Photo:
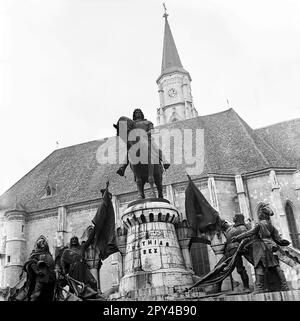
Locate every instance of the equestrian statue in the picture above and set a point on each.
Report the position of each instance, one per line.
(145, 158)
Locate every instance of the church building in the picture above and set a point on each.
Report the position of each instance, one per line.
(243, 168)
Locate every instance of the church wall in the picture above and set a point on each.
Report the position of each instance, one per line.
(227, 199)
(259, 190)
(43, 226)
(288, 193)
(2, 249)
(79, 220)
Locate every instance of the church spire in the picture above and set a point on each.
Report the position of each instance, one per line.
(170, 54)
(170, 60)
(174, 83)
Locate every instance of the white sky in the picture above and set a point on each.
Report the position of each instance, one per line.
(70, 68)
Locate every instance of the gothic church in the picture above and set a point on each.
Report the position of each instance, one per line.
(243, 168)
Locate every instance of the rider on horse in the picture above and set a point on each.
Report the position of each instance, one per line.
(144, 124)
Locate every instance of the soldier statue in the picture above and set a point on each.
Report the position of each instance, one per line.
(74, 265)
(40, 266)
(238, 228)
(266, 239)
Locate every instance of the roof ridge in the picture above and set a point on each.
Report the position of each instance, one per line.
(281, 122)
(88, 142)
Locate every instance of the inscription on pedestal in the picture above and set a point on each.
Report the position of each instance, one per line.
(153, 255)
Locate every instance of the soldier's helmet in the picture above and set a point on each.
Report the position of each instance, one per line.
(74, 240)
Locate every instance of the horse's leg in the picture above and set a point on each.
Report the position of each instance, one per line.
(158, 183)
(151, 178)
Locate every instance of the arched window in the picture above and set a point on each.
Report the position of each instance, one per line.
(48, 191)
(199, 257)
(292, 225)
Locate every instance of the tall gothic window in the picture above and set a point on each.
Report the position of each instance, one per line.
(200, 261)
(292, 225)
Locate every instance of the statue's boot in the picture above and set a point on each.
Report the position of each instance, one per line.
(163, 160)
(259, 282)
(245, 279)
(283, 284)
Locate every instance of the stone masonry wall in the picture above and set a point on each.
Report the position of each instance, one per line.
(35, 228)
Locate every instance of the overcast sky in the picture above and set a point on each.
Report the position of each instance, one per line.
(70, 68)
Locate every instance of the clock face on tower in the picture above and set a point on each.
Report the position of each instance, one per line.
(172, 92)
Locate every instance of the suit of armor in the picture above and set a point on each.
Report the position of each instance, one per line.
(73, 263)
(41, 275)
(231, 246)
(265, 242)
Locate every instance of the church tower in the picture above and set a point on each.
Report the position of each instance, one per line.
(174, 84)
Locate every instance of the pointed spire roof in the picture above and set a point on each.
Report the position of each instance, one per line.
(170, 60)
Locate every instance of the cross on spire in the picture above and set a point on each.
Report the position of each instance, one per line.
(165, 14)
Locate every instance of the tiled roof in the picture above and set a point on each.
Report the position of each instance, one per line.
(230, 147)
(284, 137)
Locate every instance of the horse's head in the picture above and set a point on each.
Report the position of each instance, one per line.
(123, 126)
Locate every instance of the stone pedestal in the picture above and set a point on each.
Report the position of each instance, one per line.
(153, 256)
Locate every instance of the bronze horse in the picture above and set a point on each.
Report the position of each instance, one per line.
(149, 171)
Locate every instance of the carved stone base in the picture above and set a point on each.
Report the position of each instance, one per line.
(153, 256)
